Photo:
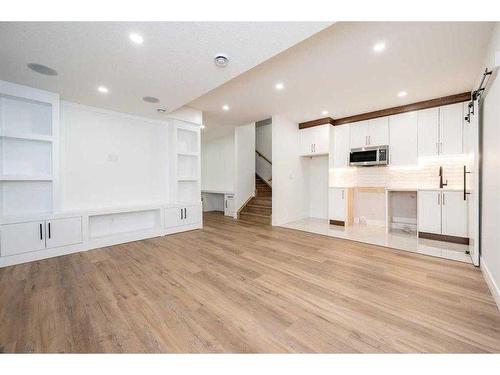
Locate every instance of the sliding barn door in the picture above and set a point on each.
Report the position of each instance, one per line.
(471, 178)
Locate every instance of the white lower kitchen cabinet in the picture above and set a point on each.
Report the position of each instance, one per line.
(229, 205)
(454, 214)
(443, 212)
(337, 205)
(429, 211)
(22, 237)
(38, 235)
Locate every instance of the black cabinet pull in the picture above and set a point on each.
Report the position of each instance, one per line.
(41, 233)
(182, 214)
(185, 213)
(49, 230)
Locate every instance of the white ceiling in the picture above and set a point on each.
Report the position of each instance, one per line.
(337, 70)
(175, 62)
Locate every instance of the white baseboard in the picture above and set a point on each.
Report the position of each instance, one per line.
(494, 289)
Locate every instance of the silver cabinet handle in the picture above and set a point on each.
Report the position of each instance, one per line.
(369, 139)
(439, 199)
(443, 198)
(342, 194)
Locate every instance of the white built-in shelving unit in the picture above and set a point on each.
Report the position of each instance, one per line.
(28, 150)
(186, 160)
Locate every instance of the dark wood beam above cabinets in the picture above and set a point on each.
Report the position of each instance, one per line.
(318, 122)
(445, 100)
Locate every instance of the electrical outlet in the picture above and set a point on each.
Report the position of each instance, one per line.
(112, 158)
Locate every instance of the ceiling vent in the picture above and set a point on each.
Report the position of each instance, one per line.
(221, 60)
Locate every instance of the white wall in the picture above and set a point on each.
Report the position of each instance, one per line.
(264, 140)
(113, 159)
(318, 186)
(244, 145)
(290, 180)
(490, 216)
(218, 164)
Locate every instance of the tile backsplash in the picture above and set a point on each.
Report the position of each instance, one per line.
(424, 175)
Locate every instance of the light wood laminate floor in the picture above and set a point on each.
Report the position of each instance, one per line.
(241, 287)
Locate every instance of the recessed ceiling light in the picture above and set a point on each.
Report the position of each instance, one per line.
(151, 99)
(136, 38)
(279, 86)
(203, 126)
(225, 107)
(402, 94)
(42, 69)
(221, 60)
(103, 89)
(324, 113)
(379, 47)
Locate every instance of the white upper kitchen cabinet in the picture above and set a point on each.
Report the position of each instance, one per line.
(359, 134)
(373, 132)
(403, 139)
(341, 146)
(429, 211)
(454, 214)
(451, 129)
(306, 141)
(378, 131)
(428, 132)
(315, 140)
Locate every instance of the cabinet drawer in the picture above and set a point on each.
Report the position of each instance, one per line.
(22, 238)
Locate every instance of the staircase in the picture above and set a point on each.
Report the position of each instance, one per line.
(259, 208)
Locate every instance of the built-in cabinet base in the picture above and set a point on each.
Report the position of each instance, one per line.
(444, 238)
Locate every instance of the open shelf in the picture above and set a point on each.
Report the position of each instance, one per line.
(26, 136)
(13, 177)
(26, 156)
(188, 154)
(106, 225)
(24, 116)
(26, 197)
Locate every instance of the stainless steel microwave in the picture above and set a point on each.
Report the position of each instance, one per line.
(369, 156)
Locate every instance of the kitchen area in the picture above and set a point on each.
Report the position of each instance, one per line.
(404, 178)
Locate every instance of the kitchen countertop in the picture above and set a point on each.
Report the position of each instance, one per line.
(393, 188)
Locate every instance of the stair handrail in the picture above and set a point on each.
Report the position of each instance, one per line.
(263, 157)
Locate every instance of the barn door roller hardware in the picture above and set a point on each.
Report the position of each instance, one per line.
(476, 94)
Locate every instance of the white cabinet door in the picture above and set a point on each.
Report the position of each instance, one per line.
(428, 132)
(174, 217)
(337, 204)
(341, 146)
(403, 139)
(63, 232)
(359, 134)
(454, 214)
(306, 141)
(429, 211)
(378, 131)
(451, 129)
(192, 215)
(22, 238)
(229, 205)
(321, 139)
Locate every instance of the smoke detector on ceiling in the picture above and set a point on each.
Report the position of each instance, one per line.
(221, 60)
